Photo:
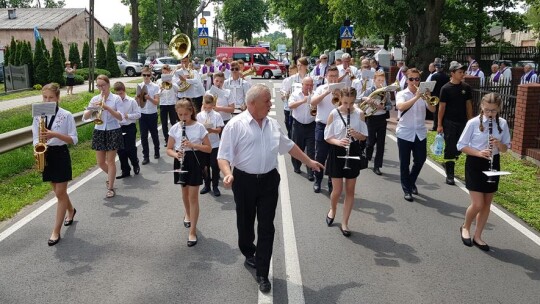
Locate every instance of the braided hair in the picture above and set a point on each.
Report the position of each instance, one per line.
(491, 98)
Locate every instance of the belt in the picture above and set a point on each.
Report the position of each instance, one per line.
(257, 176)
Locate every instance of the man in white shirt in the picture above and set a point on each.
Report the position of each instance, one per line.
(411, 132)
(528, 76)
(432, 70)
(363, 82)
(167, 101)
(189, 83)
(347, 72)
(474, 70)
(250, 143)
(238, 87)
(149, 116)
(506, 70)
(287, 63)
(319, 72)
(130, 113)
(471, 60)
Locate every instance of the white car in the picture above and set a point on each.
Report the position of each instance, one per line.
(159, 62)
(129, 68)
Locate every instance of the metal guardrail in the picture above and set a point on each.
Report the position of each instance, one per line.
(17, 138)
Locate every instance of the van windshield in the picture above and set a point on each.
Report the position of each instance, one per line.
(269, 57)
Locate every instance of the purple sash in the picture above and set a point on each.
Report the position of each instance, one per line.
(400, 75)
(497, 76)
(528, 78)
(205, 69)
(227, 66)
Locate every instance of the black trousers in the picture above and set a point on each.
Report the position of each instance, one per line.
(288, 122)
(376, 135)
(321, 149)
(435, 118)
(452, 132)
(148, 123)
(129, 152)
(256, 196)
(167, 113)
(408, 175)
(303, 136)
(212, 173)
(197, 101)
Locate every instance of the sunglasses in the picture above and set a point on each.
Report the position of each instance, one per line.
(414, 79)
(146, 75)
(235, 69)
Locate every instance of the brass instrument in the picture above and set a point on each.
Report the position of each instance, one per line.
(351, 76)
(312, 107)
(379, 95)
(431, 100)
(166, 85)
(97, 114)
(249, 72)
(364, 85)
(180, 47)
(41, 147)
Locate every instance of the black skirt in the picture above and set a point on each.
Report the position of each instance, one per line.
(334, 165)
(107, 140)
(57, 165)
(193, 164)
(475, 180)
(70, 81)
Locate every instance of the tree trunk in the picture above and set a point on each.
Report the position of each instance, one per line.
(134, 43)
(424, 31)
(294, 42)
(301, 42)
(386, 42)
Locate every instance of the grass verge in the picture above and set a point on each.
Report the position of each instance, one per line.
(518, 193)
(15, 95)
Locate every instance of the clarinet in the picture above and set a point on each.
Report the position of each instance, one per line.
(183, 151)
(490, 147)
(348, 136)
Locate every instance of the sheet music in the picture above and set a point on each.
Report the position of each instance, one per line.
(368, 74)
(391, 88)
(430, 85)
(215, 91)
(336, 86)
(166, 77)
(43, 108)
(496, 173)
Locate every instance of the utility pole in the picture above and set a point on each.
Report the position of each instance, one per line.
(91, 49)
(160, 28)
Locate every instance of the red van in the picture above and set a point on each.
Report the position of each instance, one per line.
(264, 62)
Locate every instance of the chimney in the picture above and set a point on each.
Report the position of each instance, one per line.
(12, 13)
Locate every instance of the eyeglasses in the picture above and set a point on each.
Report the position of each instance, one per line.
(414, 78)
(235, 69)
(146, 75)
(101, 85)
(490, 110)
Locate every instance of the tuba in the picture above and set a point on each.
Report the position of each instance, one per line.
(369, 108)
(41, 147)
(180, 47)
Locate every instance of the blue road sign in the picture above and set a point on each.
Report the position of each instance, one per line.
(346, 32)
(203, 32)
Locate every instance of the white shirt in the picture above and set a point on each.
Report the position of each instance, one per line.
(478, 73)
(250, 148)
(412, 123)
(129, 105)
(347, 79)
(318, 79)
(63, 123)
(238, 90)
(325, 106)
(302, 112)
(337, 128)
(507, 73)
(287, 82)
(224, 101)
(167, 97)
(195, 134)
(195, 90)
(217, 63)
(472, 137)
(532, 80)
(150, 107)
(109, 122)
(429, 77)
(358, 84)
(212, 120)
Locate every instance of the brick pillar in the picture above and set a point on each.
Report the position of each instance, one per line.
(393, 74)
(474, 82)
(526, 123)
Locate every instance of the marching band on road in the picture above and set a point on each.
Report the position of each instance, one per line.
(335, 119)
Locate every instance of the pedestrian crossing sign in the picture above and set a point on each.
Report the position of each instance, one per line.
(345, 43)
(203, 41)
(346, 32)
(203, 32)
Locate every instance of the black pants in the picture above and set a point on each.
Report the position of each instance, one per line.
(212, 173)
(148, 123)
(129, 152)
(419, 152)
(288, 122)
(303, 136)
(197, 101)
(321, 149)
(452, 132)
(435, 118)
(256, 196)
(167, 113)
(376, 135)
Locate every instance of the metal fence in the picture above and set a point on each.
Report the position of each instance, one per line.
(508, 94)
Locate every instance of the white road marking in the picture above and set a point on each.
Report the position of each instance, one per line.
(512, 222)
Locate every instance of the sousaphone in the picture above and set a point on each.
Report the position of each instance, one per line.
(180, 47)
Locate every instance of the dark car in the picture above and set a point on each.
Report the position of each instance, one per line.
(2, 72)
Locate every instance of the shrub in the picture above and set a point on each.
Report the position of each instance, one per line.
(85, 55)
(56, 66)
(84, 73)
(37, 87)
(101, 55)
(112, 61)
(79, 79)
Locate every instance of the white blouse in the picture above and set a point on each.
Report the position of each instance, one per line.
(472, 137)
(337, 128)
(109, 122)
(195, 134)
(63, 123)
(238, 90)
(214, 120)
(223, 101)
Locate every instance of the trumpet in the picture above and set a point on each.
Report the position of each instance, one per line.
(97, 114)
(431, 100)
(41, 147)
(165, 85)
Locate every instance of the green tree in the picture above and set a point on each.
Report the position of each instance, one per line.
(62, 53)
(74, 56)
(532, 18)
(112, 61)
(18, 50)
(51, 3)
(41, 64)
(135, 33)
(16, 3)
(117, 32)
(101, 55)
(245, 17)
(27, 58)
(13, 51)
(6, 56)
(85, 55)
(56, 65)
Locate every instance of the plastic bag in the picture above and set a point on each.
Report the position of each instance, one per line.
(437, 147)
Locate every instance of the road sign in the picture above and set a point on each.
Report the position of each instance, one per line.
(206, 13)
(345, 43)
(203, 32)
(203, 41)
(346, 32)
(203, 21)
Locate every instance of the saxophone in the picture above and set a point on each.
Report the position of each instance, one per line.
(41, 147)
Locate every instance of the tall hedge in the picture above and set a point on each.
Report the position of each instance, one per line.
(26, 58)
(74, 56)
(62, 53)
(13, 51)
(56, 66)
(45, 51)
(101, 55)
(85, 55)
(17, 59)
(6, 56)
(112, 61)
(41, 64)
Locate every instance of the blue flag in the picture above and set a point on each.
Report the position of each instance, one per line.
(37, 36)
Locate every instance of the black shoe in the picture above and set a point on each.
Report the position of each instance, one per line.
(137, 169)
(165, 145)
(414, 190)
(466, 242)
(311, 178)
(52, 242)
(216, 191)
(156, 156)
(346, 233)
(145, 161)
(123, 175)
(317, 187)
(69, 222)
(484, 247)
(191, 243)
(251, 262)
(329, 220)
(205, 190)
(297, 171)
(450, 181)
(377, 171)
(187, 224)
(264, 284)
(408, 197)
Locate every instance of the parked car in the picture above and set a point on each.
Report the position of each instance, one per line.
(160, 62)
(129, 68)
(2, 72)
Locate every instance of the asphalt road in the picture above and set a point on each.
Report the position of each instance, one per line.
(132, 248)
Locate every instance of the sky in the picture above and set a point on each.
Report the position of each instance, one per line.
(109, 12)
